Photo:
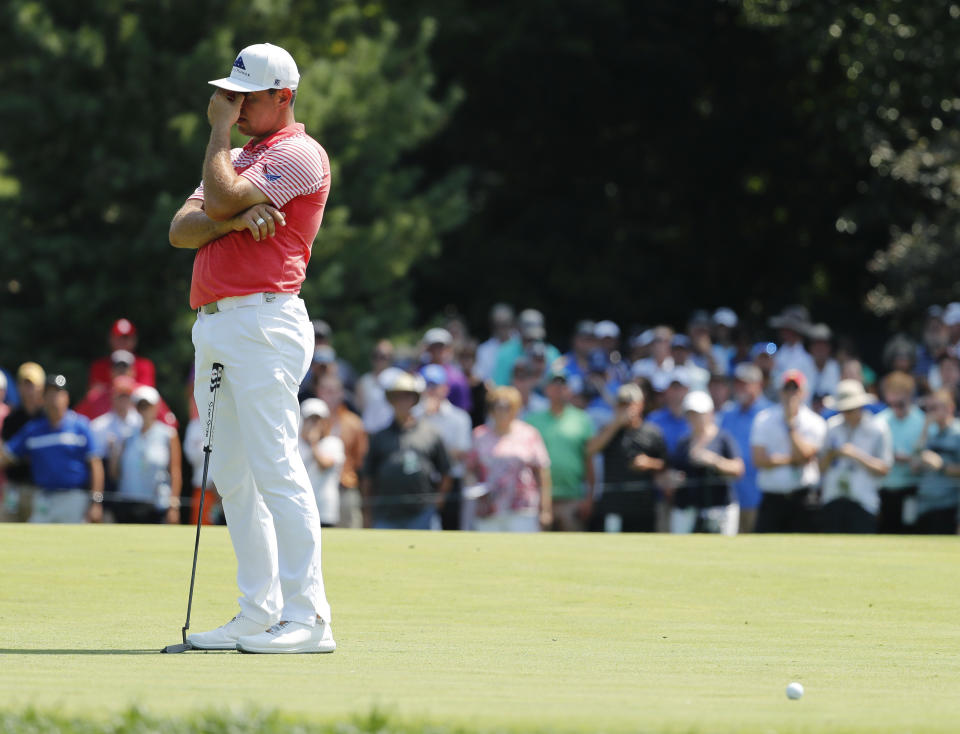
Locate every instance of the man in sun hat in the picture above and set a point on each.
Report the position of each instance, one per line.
(406, 473)
(857, 455)
(252, 223)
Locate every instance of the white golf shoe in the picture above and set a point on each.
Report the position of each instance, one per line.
(290, 637)
(225, 637)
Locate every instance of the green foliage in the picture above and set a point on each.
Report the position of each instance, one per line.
(895, 104)
(104, 125)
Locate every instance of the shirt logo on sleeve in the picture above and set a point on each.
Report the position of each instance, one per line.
(271, 177)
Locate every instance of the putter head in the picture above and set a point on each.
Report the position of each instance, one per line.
(182, 647)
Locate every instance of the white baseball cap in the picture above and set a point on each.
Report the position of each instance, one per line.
(314, 407)
(146, 394)
(261, 66)
(697, 401)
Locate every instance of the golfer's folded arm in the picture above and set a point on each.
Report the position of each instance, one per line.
(191, 228)
(225, 193)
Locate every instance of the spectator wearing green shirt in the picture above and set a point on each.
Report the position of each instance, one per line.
(938, 495)
(899, 488)
(566, 430)
(532, 330)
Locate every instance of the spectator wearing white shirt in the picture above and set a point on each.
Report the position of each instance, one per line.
(324, 456)
(826, 374)
(371, 399)
(793, 324)
(785, 440)
(455, 428)
(658, 366)
(501, 331)
(857, 454)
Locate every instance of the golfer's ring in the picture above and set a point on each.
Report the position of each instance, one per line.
(261, 220)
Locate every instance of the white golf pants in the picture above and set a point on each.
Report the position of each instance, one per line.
(265, 343)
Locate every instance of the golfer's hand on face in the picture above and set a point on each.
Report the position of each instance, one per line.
(224, 108)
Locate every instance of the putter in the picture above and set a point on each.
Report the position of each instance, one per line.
(216, 375)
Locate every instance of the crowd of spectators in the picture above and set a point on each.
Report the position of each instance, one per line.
(710, 427)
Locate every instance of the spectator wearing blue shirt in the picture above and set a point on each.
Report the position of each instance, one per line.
(737, 420)
(64, 460)
(670, 419)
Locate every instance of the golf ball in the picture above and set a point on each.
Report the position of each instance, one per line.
(794, 691)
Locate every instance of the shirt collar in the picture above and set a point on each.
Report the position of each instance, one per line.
(281, 134)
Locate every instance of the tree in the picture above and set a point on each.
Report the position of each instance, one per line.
(104, 125)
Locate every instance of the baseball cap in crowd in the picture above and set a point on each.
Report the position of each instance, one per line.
(643, 339)
(321, 329)
(629, 393)
(660, 381)
(794, 318)
(584, 328)
(437, 336)
(122, 358)
(434, 374)
(725, 317)
(324, 354)
(123, 385)
(401, 381)
(531, 324)
(314, 407)
(746, 372)
(606, 330)
(501, 313)
(261, 66)
(700, 318)
(557, 375)
(793, 376)
(537, 350)
(819, 333)
(768, 348)
(146, 394)
(951, 314)
(935, 312)
(57, 382)
(680, 341)
(697, 401)
(123, 327)
(33, 373)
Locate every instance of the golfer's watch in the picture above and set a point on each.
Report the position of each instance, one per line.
(97, 498)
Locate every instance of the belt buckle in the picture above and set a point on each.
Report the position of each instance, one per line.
(210, 308)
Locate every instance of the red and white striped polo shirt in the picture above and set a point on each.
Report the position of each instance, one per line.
(293, 171)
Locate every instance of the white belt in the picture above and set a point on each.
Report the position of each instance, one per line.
(232, 302)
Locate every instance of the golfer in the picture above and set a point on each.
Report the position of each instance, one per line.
(252, 222)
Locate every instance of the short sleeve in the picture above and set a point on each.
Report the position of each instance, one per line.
(291, 168)
(16, 446)
(758, 431)
(541, 457)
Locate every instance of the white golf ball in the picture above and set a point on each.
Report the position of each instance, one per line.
(794, 691)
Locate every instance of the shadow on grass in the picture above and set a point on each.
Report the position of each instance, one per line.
(85, 651)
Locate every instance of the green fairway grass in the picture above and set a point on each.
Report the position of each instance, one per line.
(567, 632)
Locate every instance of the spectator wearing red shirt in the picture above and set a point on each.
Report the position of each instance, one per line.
(123, 335)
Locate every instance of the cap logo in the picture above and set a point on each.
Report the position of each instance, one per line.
(239, 63)
(276, 82)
